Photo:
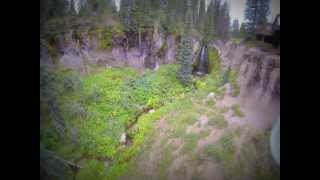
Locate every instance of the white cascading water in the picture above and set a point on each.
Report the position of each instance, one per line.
(275, 142)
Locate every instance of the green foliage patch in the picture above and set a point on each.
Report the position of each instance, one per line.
(101, 106)
(106, 34)
(237, 110)
(218, 121)
(190, 142)
(224, 151)
(93, 169)
(233, 76)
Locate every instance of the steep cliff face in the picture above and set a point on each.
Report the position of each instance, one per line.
(259, 71)
(75, 53)
(259, 80)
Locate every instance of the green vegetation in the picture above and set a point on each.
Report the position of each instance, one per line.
(218, 121)
(224, 151)
(190, 142)
(179, 131)
(214, 61)
(105, 35)
(212, 81)
(162, 50)
(232, 78)
(237, 40)
(97, 109)
(184, 73)
(237, 111)
(205, 133)
(82, 117)
(93, 169)
(253, 159)
(166, 159)
(185, 59)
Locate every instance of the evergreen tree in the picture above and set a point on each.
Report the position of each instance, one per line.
(251, 14)
(224, 21)
(235, 28)
(242, 32)
(216, 16)
(209, 27)
(83, 8)
(175, 16)
(202, 13)
(137, 23)
(256, 12)
(163, 13)
(263, 11)
(195, 8)
(125, 12)
(53, 8)
(72, 8)
(184, 74)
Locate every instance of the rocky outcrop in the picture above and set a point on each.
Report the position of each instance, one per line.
(259, 81)
(170, 53)
(74, 52)
(259, 71)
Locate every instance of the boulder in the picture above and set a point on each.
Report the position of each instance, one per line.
(210, 97)
(123, 138)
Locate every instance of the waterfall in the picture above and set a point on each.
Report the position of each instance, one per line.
(202, 62)
(275, 142)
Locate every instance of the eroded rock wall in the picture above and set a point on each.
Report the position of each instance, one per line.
(259, 71)
(76, 53)
(259, 81)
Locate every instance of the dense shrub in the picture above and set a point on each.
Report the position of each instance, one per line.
(106, 35)
(154, 87)
(93, 169)
(114, 99)
(237, 111)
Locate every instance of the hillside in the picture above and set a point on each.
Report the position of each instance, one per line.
(151, 91)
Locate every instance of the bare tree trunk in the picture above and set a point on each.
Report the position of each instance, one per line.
(139, 33)
(127, 44)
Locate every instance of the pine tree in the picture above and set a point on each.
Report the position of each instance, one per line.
(224, 21)
(202, 13)
(125, 12)
(216, 16)
(250, 14)
(209, 27)
(263, 11)
(53, 8)
(195, 8)
(184, 74)
(83, 8)
(256, 12)
(72, 10)
(163, 15)
(235, 28)
(242, 32)
(138, 20)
